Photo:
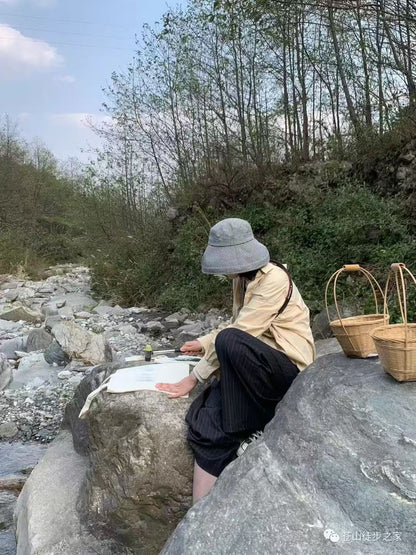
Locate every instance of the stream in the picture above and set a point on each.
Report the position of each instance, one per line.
(16, 462)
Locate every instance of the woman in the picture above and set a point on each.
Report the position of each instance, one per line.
(259, 354)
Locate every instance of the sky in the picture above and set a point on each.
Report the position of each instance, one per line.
(56, 56)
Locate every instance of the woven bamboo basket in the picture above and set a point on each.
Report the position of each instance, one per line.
(396, 343)
(354, 333)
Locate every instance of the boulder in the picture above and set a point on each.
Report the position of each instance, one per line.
(81, 344)
(154, 327)
(117, 310)
(175, 320)
(49, 310)
(320, 324)
(13, 284)
(140, 479)
(143, 435)
(38, 340)
(51, 321)
(5, 372)
(11, 295)
(33, 371)
(54, 354)
(189, 332)
(20, 312)
(102, 308)
(10, 346)
(335, 472)
(8, 430)
(46, 516)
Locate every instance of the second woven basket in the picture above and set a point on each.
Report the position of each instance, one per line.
(354, 333)
(396, 343)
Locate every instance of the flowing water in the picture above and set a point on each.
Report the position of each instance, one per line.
(16, 461)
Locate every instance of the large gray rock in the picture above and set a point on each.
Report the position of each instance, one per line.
(102, 308)
(38, 340)
(334, 473)
(20, 312)
(320, 323)
(174, 320)
(8, 430)
(10, 346)
(189, 332)
(82, 344)
(33, 371)
(94, 379)
(5, 372)
(140, 481)
(153, 327)
(47, 521)
(54, 354)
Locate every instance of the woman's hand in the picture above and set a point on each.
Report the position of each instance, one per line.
(192, 348)
(180, 388)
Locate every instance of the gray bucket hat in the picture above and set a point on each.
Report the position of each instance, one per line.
(232, 249)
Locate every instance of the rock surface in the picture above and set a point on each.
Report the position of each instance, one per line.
(140, 481)
(81, 344)
(20, 312)
(335, 472)
(38, 340)
(321, 328)
(10, 346)
(54, 354)
(47, 521)
(33, 371)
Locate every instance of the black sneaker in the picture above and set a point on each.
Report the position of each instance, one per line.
(243, 446)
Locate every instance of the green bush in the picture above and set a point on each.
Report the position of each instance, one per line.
(344, 224)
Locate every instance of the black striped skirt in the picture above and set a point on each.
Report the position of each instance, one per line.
(254, 378)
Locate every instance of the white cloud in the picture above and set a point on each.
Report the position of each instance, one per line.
(66, 79)
(20, 55)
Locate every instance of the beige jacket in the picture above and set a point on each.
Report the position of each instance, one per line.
(255, 308)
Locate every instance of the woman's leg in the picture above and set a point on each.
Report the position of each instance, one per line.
(203, 482)
(254, 378)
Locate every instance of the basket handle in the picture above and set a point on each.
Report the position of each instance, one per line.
(397, 269)
(350, 268)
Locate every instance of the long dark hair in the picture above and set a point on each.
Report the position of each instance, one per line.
(250, 275)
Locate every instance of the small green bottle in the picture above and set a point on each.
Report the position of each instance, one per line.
(148, 351)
